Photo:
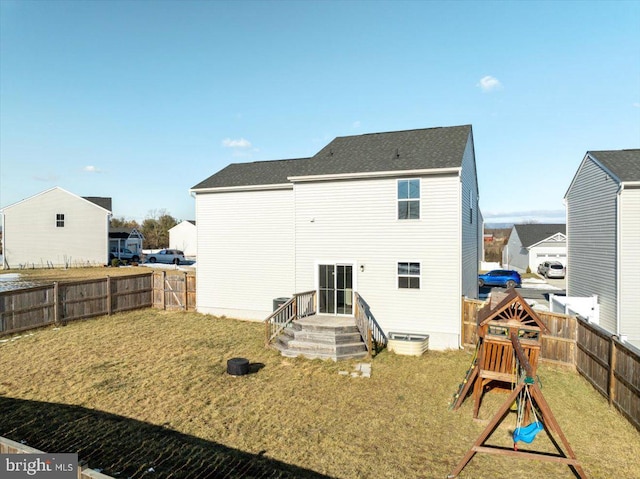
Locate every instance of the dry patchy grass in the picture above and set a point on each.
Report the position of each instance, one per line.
(158, 381)
(48, 275)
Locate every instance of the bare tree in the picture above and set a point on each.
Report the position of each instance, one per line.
(122, 222)
(155, 229)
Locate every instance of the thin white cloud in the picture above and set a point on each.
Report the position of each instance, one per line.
(636, 105)
(489, 83)
(91, 169)
(539, 216)
(356, 124)
(240, 143)
(49, 177)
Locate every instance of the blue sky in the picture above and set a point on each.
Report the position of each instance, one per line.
(141, 100)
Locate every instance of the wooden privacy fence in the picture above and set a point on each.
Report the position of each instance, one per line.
(58, 303)
(612, 367)
(174, 291)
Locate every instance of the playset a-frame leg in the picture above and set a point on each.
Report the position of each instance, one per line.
(462, 393)
(548, 420)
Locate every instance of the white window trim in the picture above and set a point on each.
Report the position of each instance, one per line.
(398, 275)
(418, 199)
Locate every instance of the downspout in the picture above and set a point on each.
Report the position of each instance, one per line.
(566, 222)
(460, 273)
(193, 195)
(4, 245)
(618, 194)
(109, 215)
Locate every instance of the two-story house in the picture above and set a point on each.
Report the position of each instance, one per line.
(603, 238)
(393, 216)
(56, 228)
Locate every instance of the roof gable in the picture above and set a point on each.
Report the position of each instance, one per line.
(510, 307)
(431, 148)
(409, 150)
(531, 234)
(99, 202)
(623, 164)
(102, 202)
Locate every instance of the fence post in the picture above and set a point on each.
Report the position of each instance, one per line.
(162, 290)
(184, 296)
(109, 304)
(56, 303)
(612, 370)
(295, 307)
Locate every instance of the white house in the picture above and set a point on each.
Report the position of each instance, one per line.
(603, 238)
(183, 236)
(56, 228)
(393, 216)
(532, 244)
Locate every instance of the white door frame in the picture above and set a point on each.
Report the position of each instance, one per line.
(354, 282)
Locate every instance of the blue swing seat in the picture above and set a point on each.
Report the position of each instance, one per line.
(528, 433)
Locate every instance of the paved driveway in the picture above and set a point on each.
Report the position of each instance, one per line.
(535, 291)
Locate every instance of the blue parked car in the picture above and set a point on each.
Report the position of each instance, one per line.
(500, 277)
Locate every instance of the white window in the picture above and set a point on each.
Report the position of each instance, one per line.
(409, 275)
(409, 199)
(60, 220)
(470, 206)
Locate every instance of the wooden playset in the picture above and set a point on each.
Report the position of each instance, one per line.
(509, 341)
(494, 360)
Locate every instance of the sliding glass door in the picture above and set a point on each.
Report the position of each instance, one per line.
(335, 289)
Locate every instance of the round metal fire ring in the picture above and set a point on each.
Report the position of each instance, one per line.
(238, 366)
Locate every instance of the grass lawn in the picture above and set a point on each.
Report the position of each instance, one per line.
(49, 275)
(149, 390)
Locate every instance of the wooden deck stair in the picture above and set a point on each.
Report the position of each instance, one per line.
(323, 337)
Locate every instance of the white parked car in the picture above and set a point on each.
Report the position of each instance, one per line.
(552, 269)
(124, 254)
(167, 256)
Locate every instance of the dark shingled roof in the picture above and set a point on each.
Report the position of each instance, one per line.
(430, 148)
(625, 164)
(533, 233)
(100, 201)
(251, 174)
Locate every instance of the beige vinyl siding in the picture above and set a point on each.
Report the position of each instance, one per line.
(245, 252)
(31, 237)
(357, 221)
(591, 239)
(471, 225)
(629, 296)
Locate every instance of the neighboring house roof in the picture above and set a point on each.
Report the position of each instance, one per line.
(531, 234)
(423, 149)
(192, 222)
(123, 232)
(624, 164)
(101, 201)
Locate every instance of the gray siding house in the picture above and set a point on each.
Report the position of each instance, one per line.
(603, 238)
(532, 244)
(392, 216)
